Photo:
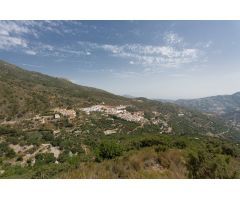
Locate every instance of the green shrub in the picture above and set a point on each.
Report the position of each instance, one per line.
(161, 148)
(7, 131)
(47, 136)
(230, 150)
(45, 158)
(19, 158)
(205, 165)
(48, 171)
(108, 150)
(74, 161)
(34, 138)
(71, 144)
(147, 142)
(5, 150)
(180, 144)
(63, 157)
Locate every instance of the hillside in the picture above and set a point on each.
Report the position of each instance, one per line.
(216, 104)
(226, 107)
(50, 127)
(26, 93)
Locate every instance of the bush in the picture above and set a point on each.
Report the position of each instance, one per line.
(74, 161)
(148, 115)
(161, 148)
(7, 131)
(148, 142)
(229, 150)
(45, 158)
(63, 157)
(71, 144)
(19, 158)
(180, 144)
(47, 171)
(204, 165)
(47, 136)
(6, 151)
(108, 150)
(34, 138)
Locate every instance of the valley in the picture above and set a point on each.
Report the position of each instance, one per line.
(52, 128)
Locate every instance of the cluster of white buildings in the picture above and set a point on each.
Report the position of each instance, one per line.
(134, 117)
(119, 111)
(109, 132)
(96, 108)
(180, 114)
(67, 113)
(71, 114)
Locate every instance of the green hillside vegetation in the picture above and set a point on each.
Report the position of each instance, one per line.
(137, 156)
(145, 139)
(25, 93)
(223, 106)
(214, 104)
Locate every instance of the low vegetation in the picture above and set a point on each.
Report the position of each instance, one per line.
(133, 156)
(45, 133)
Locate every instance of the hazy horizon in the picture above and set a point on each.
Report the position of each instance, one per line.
(153, 59)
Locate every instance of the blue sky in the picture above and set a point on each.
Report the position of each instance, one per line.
(154, 59)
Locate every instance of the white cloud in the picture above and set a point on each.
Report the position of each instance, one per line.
(14, 35)
(11, 35)
(7, 42)
(208, 44)
(30, 52)
(10, 27)
(172, 38)
(46, 47)
(148, 55)
(152, 58)
(68, 51)
(131, 62)
(4, 32)
(126, 74)
(172, 55)
(204, 45)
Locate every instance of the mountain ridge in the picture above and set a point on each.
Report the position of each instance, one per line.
(21, 86)
(51, 128)
(217, 104)
(26, 94)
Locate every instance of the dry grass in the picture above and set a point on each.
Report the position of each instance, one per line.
(145, 163)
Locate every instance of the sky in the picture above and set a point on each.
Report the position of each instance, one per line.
(153, 59)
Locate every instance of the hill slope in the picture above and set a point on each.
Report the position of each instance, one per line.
(26, 93)
(225, 106)
(50, 127)
(216, 104)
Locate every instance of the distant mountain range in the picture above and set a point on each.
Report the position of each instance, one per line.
(128, 96)
(225, 106)
(216, 104)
